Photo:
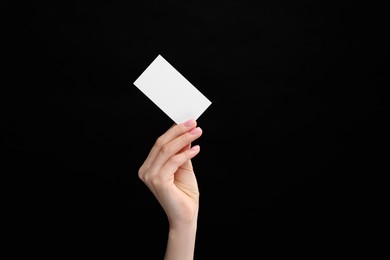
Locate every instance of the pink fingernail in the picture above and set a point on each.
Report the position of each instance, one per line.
(195, 131)
(189, 122)
(195, 148)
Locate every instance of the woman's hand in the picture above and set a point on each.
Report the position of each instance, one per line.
(168, 173)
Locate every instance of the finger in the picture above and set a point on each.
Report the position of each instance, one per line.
(175, 146)
(188, 146)
(173, 132)
(187, 165)
(171, 166)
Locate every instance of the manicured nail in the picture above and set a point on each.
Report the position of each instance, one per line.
(189, 123)
(195, 130)
(195, 148)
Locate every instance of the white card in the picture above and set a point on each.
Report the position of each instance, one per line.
(171, 91)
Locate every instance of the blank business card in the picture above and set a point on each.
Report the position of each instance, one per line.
(171, 91)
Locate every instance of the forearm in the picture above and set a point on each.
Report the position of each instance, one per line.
(181, 242)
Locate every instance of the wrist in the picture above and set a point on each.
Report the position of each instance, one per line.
(181, 241)
(185, 221)
(184, 224)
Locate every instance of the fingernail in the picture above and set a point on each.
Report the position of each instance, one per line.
(195, 131)
(195, 148)
(189, 122)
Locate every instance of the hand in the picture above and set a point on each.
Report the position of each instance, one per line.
(168, 173)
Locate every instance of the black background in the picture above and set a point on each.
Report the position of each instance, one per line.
(292, 160)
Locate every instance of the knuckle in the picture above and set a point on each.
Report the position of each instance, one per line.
(175, 160)
(141, 173)
(146, 178)
(149, 175)
(182, 128)
(140, 176)
(156, 182)
(159, 142)
(165, 149)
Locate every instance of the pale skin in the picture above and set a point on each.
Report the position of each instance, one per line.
(168, 173)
